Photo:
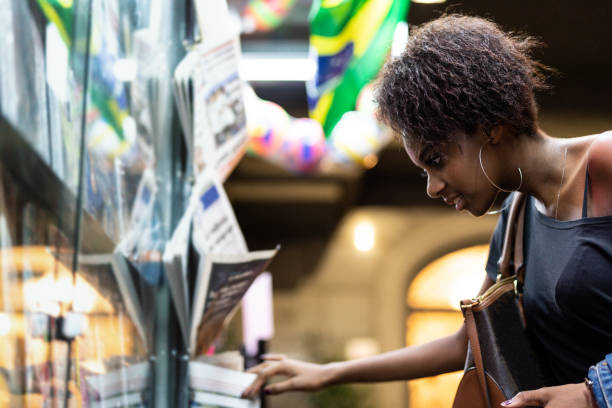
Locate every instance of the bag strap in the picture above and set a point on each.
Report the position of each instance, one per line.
(519, 265)
(512, 248)
(505, 267)
(470, 325)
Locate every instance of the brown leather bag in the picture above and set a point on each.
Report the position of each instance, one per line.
(502, 358)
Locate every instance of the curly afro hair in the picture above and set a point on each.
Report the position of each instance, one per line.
(460, 73)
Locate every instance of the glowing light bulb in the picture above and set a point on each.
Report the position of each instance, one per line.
(363, 236)
(5, 324)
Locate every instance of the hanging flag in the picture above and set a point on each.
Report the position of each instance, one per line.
(60, 13)
(107, 93)
(350, 40)
(266, 15)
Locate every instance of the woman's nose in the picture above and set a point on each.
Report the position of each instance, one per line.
(435, 185)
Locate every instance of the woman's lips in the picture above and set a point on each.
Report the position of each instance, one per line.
(457, 201)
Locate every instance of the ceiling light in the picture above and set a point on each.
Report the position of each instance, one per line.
(271, 67)
(363, 236)
(5, 324)
(125, 69)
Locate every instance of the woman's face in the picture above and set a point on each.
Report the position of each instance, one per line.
(453, 173)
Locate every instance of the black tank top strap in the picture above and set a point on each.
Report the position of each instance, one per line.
(586, 194)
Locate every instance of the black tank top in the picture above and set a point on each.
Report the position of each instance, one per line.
(568, 287)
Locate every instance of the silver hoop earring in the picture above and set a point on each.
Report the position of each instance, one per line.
(491, 181)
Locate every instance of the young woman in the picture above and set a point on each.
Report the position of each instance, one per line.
(462, 98)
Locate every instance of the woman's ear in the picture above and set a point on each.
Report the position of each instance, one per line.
(496, 134)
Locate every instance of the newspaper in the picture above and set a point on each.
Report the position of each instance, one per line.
(206, 377)
(210, 221)
(208, 94)
(219, 115)
(121, 382)
(175, 266)
(133, 400)
(182, 87)
(201, 399)
(222, 282)
(141, 212)
(120, 268)
(215, 228)
(232, 360)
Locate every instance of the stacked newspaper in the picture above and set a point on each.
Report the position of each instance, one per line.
(213, 386)
(125, 387)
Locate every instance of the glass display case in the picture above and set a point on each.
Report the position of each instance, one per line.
(93, 180)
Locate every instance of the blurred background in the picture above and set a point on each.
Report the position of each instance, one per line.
(368, 262)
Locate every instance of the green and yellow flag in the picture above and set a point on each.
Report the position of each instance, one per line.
(350, 40)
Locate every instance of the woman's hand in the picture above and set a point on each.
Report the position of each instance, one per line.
(563, 396)
(302, 376)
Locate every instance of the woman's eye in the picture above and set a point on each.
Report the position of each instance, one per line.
(435, 162)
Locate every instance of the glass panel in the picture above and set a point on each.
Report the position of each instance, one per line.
(41, 83)
(42, 77)
(131, 153)
(22, 73)
(111, 354)
(128, 139)
(91, 186)
(449, 279)
(35, 291)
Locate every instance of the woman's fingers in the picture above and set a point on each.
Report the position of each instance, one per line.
(281, 387)
(301, 375)
(265, 371)
(273, 357)
(528, 398)
(253, 389)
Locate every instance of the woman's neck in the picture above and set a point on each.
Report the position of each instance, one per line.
(543, 160)
(553, 171)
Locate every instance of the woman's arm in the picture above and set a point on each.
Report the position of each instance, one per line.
(436, 357)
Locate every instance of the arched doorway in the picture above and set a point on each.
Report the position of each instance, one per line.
(433, 311)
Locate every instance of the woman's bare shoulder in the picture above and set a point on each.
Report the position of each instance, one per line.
(600, 172)
(600, 155)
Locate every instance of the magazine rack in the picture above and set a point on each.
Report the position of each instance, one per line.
(93, 181)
